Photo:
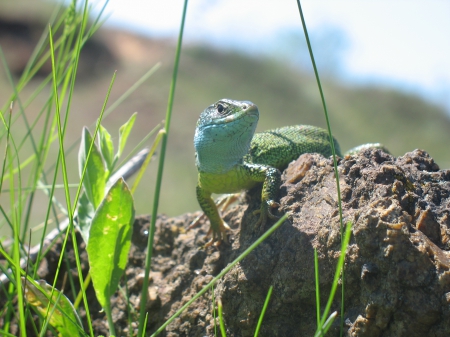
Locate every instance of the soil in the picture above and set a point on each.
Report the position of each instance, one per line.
(397, 278)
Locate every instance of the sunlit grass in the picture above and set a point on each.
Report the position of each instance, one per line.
(62, 42)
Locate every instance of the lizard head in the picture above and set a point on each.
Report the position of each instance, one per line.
(223, 134)
(228, 111)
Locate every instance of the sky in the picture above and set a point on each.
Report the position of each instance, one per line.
(404, 44)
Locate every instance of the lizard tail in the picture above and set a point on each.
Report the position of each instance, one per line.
(363, 147)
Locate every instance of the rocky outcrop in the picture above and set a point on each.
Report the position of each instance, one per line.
(397, 278)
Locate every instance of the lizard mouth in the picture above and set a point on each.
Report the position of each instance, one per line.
(233, 118)
(251, 110)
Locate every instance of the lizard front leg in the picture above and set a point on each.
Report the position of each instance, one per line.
(209, 207)
(271, 178)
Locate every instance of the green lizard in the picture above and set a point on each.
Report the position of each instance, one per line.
(230, 157)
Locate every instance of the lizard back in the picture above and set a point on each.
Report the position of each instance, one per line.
(278, 147)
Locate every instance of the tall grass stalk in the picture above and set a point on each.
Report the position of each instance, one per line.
(16, 219)
(148, 260)
(326, 321)
(316, 274)
(263, 311)
(223, 330)
(333, 150)
(61, 132)
(71, 27)
(64, 66)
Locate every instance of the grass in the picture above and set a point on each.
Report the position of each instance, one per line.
(23, 175)
(151, 236)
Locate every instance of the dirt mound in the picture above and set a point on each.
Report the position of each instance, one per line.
(397, 279)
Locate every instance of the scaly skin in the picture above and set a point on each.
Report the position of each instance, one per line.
(230, 158)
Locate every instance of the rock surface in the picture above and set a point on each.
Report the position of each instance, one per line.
(397, 278)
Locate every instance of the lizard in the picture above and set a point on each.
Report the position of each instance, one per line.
(231, 157)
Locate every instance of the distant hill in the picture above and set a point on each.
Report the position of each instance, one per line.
(283, 94)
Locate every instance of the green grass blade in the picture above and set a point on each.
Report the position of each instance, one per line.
(316, 273)
(213, 300)
(326, 326)
(61, 132)
(114, 105)
(109, 243)
(140, 145)
(133, 88)
(223, 331)
(87, 282)
(145, 324)
(70, 83)
(147, 160)
(61, 155)
(330, 134)
(322, 97)
(6, 334)
(32, 141)
(8, 134)
(263, 311)
(339, 269)
(143, 299)
(15, 217)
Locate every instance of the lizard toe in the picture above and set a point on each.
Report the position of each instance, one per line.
(196, 221)
(260, 219)
(218, 235)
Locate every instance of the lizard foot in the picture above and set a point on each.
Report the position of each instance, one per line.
(264, 212)
(223, 202)
(218, 236)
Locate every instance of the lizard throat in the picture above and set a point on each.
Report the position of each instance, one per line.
(219, 147)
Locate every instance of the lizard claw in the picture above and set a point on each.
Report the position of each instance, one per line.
(264, 212)
(196, 221)
(218, 236)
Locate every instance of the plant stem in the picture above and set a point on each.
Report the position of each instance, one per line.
(148, 260)
(336, 173)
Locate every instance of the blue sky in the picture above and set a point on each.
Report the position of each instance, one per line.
(401, 43)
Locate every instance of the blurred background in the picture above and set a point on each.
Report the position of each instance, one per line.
(385, 68)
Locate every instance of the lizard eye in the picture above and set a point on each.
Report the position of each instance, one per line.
(220, 108)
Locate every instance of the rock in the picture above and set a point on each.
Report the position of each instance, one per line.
(397, 278)
(396, 269)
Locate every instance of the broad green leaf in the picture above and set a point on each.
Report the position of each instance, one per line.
(63, 316)
(109, 240)
(106, 147)
(124, 132)
(85, 212)
(95, 178)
